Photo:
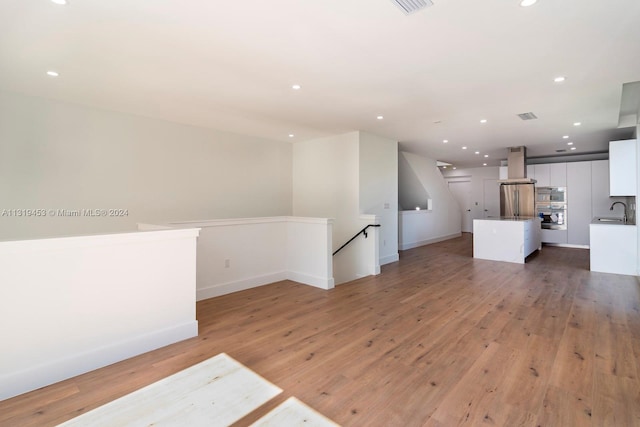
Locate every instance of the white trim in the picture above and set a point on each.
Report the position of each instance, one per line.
(57, 370)
(415, 212)
(58, 243)
(307, 279)
(374, 219)
(152, 227)
(267, 279)
(309, 220)
(389, 259)
(227, 222)
(245, 221)
(411, 245)
(240, 285)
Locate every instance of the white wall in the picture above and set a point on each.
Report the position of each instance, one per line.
(243, 253)
(70, 305)
(478, 177)
(379, 189)
(326, 184)
(411, 192)
(443, 221)
(56, 155)
(350, 178)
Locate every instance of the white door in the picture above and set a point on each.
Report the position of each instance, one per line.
(491, 198)
(461, 190)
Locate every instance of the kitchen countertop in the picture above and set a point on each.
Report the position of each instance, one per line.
(610, 221)
(509, 218)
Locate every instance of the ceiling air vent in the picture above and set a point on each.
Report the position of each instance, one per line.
(411, 6)
(527, 116)
(562, 150)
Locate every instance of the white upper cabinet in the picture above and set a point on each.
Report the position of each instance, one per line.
(548, 174)
(622, 168)
(542, 175)
(558, 175)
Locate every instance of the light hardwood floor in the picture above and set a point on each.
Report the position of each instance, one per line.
(437, 339)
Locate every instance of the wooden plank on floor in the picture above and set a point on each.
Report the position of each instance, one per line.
(294, 413)
(216, 392)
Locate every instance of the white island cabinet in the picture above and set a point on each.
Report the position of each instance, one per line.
(507, 239)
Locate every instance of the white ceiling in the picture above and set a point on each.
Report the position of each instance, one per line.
(230, 65)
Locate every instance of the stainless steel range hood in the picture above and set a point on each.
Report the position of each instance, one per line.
(517, 167)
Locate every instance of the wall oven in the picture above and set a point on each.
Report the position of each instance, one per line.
(551, 206)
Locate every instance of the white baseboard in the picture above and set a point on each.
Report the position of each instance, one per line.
(411, 245)
(566, 245)
(307, 279)
(76, 364)
(389, 259)
(240, 285)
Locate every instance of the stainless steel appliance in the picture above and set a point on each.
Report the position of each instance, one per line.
(551, 206)
(517, 199)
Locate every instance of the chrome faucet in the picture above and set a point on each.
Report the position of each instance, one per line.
(624, 218)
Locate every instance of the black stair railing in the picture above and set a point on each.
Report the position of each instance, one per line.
(363, 231)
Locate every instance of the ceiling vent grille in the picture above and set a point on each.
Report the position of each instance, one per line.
(411, 6)
(527, 116)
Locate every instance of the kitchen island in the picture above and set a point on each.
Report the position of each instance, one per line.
(509, 239)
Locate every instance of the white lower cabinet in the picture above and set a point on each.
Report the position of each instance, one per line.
(614, 248)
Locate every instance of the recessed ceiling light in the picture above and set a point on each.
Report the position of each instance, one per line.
(380, 117)
(486, 155)
(484, 164)
(455, 167)
(445, 141)
(573, 148)
(569, 143)
(483, 121)
(296, 87)
(291, 135)
(527, 3)
(444, 167)
(52, 73)
(559, 79)
(565, 137)
(477, 152)
(577, 124)
(62, 2)
(464, 148)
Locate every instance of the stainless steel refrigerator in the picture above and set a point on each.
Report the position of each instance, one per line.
(517, 199)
